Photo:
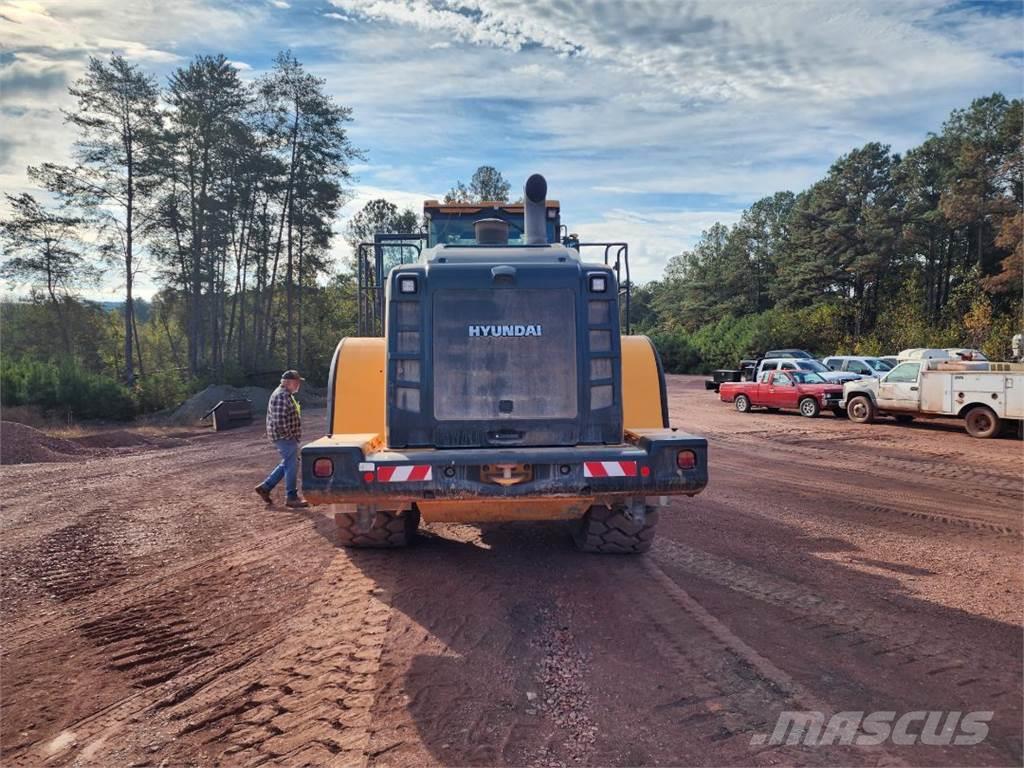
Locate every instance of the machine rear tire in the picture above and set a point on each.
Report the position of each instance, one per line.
(612, 531)
(861, 410)
(981, 422)
(388, 529)
(742, 403)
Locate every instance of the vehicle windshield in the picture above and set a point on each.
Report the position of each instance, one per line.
(878, 365)
(807, 377)
(810, 365)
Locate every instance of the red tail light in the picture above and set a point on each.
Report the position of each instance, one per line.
(323, 468)
(686, 459)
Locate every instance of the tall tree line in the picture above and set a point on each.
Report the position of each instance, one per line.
(885, 250)
(229, 188)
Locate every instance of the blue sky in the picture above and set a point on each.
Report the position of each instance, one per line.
(651, 120)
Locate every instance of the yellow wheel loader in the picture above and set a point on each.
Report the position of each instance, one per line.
(500, 388)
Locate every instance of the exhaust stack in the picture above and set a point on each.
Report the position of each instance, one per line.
(535, 194)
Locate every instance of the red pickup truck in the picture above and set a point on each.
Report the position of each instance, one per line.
(803, 391)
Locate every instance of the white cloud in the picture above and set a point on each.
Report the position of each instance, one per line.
(708, 105)
(653, 237)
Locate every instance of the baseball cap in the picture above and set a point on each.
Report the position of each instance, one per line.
(291, 376)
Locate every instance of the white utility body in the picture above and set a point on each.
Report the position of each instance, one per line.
(984, 394)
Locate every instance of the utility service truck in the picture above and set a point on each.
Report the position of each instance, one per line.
(984, 398)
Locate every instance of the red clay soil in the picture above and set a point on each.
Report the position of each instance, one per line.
(154, 612)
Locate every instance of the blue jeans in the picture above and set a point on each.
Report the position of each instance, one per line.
(288, 468)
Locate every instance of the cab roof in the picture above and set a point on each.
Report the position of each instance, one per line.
(473, 208)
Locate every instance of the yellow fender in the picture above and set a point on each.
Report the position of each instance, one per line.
(644, 405)
(356, 387)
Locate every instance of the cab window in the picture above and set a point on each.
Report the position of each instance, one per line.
(833, 364)
(769, 366)
(904, 372)
(780, 380)
(856, 366)
(788, 366)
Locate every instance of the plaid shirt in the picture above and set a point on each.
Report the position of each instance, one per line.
(283, 421)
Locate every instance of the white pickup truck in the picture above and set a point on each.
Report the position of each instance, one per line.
(984, 399)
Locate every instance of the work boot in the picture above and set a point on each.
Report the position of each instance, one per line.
(296, 502)
(264, 493)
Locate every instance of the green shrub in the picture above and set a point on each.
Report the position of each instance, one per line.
(66, 387)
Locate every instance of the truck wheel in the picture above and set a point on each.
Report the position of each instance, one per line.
(904, 418)
(981, 422)
(386, 529)
(607, 530)
(742, 403)
(861, 410)
(809, 407)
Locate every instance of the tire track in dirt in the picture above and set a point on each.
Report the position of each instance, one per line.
(298, 691)
(737, 692)
(897, 645)
(792, 478)
(104, 597)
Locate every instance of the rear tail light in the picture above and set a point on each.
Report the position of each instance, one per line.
(323, 468)
(686, 459)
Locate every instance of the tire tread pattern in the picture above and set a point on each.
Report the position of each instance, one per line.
(612, 531)
(388, 529)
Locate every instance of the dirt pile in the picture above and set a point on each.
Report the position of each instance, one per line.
(21, 444)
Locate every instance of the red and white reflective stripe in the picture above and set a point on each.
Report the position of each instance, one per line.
(404, 473)
(609, 469)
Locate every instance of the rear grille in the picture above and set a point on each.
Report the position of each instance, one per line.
(504, 354)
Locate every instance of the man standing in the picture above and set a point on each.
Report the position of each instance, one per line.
(284, 428)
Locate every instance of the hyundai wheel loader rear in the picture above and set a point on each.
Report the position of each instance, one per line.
(501, 390)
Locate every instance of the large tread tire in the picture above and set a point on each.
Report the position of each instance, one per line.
(861, 410)
(981, 422)
(809, 407)
(742, 403)
(612, 531)
(388, 529)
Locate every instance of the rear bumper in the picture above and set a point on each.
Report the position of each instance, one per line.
(360, 472)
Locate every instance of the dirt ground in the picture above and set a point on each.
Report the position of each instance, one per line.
(155, 613)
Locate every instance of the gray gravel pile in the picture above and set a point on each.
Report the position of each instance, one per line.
(197, 406)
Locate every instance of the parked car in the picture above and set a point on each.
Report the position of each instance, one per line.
(984, 399)
(804, 364)
(892, 360)
(750, 369)
(800, 353)
(865, 366)
(803, 391)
